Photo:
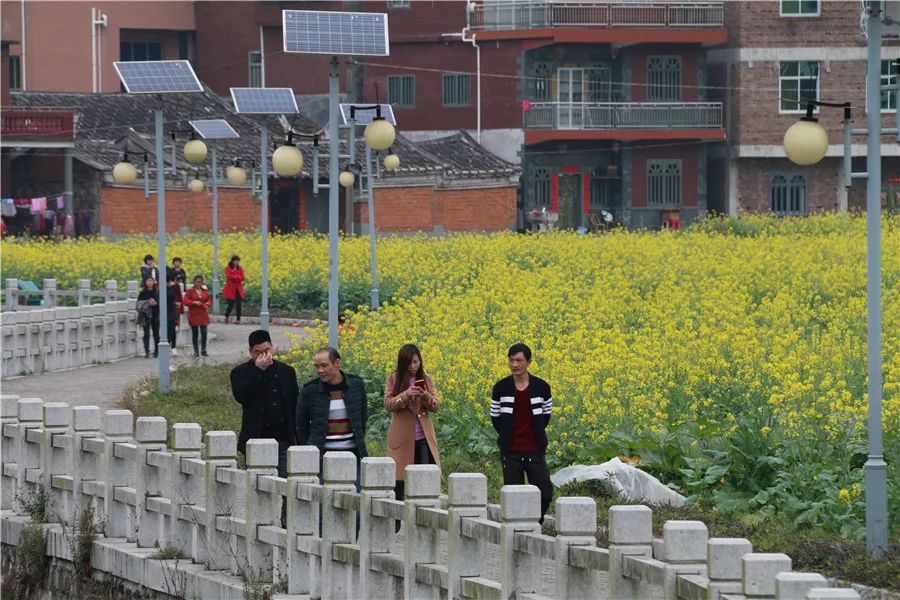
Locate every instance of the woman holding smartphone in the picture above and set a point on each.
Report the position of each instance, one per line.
(410, 395)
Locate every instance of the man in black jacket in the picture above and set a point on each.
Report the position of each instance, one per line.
(267, 389)
(333, 408)
(520, 410)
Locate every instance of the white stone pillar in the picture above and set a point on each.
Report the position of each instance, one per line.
(302, 520)
(832, 594)
(423, 488)
(118, 427)
(56, 460)
(759, 572)
(630, 534)
(338, 526)
(217, 551)
(375, 533)
(724, 562)
(684, 544)
(12, 286)
(31, 416)
(467, 497)
(84, 292)
(49, 290)
(9, 452)
(262, 508)
(151, 434)
(795, 586)
(520, 511)
(184, 489)
(86, 466)
(576, 525)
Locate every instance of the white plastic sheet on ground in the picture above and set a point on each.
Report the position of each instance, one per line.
(620, 478)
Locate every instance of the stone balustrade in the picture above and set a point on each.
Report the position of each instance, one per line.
(51, 339)
(175, 488)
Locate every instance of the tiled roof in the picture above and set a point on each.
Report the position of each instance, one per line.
(107, 123)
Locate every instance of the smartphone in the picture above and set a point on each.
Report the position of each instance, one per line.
(419, 383)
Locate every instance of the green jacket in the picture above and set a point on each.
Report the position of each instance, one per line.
(312, 413)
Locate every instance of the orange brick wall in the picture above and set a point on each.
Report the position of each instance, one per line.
(125, 210)
(422, 208)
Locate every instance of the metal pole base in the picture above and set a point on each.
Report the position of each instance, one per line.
(875, 471)
(165, 357)
(375, 301)
(215, 295)
(264, 320)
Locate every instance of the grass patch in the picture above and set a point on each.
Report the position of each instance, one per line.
(27, 575)
(167, 553)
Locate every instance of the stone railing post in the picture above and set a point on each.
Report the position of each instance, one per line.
(262, 508)
(86, 466)
(84, 292)
(151, 434)
(338, 526)
(133, 289)
(467, 497)
(49, 293)
(12, 286)
(31, 416)
(9, 452)
(796, 586)
(183, 489)
(759, 572)
(302, 519)
(118, 427)
(576, 525)
(221, 450)
(630, 534)
(724, 563)
(684, 546)
(56, 460)
(823, 593)
(423, 488)
(112, 290)
(520, 510)
(375, 533)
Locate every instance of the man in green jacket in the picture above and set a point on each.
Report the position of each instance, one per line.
(333, 409)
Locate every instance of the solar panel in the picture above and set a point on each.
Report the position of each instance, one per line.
(158, 76)
(214, 129)
(264, 101)
(365, 116)
(331, 32)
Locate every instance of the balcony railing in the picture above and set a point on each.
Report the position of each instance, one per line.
(504, 15)
(624, 115)
(37, 125)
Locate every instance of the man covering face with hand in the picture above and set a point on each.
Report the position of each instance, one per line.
(267, 389)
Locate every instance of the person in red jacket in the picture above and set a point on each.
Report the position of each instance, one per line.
(198, 301)
(234, 288)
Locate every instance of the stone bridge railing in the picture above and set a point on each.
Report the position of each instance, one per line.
(224, 520)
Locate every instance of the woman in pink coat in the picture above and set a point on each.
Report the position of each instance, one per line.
(234, 288)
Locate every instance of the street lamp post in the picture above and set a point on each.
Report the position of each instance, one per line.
(215, 224)
(806, 143)
(164, 348)
(264, 226)
(333, 199)
(370, 193)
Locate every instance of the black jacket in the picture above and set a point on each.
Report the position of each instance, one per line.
(312, 412)
(149, 272)
(503, 403)
(246, 385)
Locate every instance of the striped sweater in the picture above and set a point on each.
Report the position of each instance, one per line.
(503, 402)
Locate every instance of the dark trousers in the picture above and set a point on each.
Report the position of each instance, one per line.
(200, 329)
(236, 304)
(152, 327)
(516, 465)
(421, 456)
(173, 333)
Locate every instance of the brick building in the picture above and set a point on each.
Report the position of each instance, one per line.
(783, 51)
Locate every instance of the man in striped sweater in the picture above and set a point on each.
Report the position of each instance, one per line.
(520, 410)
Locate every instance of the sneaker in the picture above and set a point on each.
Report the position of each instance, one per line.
(227, 320)
(147, 354)
(237, 322)
(205, 353)
(174, 352)
(156, 354)
(196, 354)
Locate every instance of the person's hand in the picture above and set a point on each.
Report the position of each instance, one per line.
(264, 360)
(197, 303)
(153, 302)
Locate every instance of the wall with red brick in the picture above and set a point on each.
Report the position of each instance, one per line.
(689, 166)
(757, 23)
(423, 208)
(125, 210)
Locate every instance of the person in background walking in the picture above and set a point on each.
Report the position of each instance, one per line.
(181, 280)
(409, 395)
(148, 315)
(520, 410)
(149, 270)
(267, 390)
(173, 308)
(233, 291)
(198, 301)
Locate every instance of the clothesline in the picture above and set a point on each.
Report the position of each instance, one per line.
(46, 213)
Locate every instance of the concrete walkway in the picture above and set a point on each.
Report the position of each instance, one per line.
(104, 385)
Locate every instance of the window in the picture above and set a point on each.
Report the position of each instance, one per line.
(663, 182)
(601, 191)
(399, 3)
(797, 81)
(663, 78)
(540, 82)
(254, 62)
(799, 8)
(541, 195)
(787, 193)
(130, 51)
(456, 89)
(889, 73)
(15, 73)
(402, 90)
